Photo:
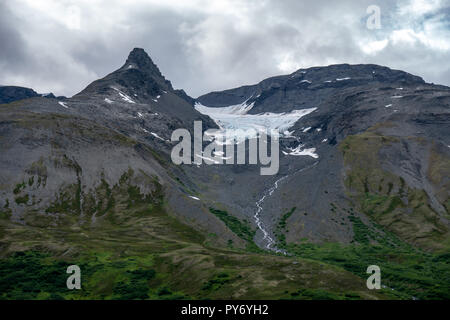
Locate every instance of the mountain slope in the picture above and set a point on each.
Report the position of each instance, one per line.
(363, 112)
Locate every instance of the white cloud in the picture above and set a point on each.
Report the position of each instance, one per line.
(418, 8)
(374, 47)
(288, 63)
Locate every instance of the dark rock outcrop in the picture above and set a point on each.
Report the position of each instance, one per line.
(12, 93)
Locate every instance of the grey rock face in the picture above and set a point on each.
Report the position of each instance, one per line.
(307, 87)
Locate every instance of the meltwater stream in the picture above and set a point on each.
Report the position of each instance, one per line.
(237, 117)
(269, 242)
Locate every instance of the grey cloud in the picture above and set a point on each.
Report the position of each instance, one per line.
(12, 52)
(202, 48)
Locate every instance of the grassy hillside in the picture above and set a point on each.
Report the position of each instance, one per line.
(386, 198)
(135, 250)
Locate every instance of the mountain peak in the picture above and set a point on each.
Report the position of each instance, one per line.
(138, 54)
(138, 58)
(139, 76)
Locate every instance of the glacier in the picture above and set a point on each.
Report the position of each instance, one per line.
(236, 117)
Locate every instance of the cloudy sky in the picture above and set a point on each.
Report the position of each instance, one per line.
(205, 45)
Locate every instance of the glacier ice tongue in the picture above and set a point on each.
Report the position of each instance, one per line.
(236, 117)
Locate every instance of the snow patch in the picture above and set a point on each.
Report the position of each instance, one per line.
(343, 79)
(288, 133)
(388, 106)
(208, 159)
(108, 101)
(157, 137)
(299, 152)
(123, 96)
(397, 97)
(63, 104)
(306, 130)
(195, 198)
(324, 140)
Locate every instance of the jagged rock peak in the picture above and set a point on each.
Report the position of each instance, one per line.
(138, 58)
(138, 77)
(138, 55)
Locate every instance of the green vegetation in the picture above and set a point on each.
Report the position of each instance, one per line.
(19, 187)
(5, 213)
(360, 230)
(23, 200)
(438, 173)
(242, 229)
(38, 169)
(409, 271)
(42, 277)
(372, 234)
(65, 202)
(280, 229)
(135, 286)
(217, 282)
(26, 275)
